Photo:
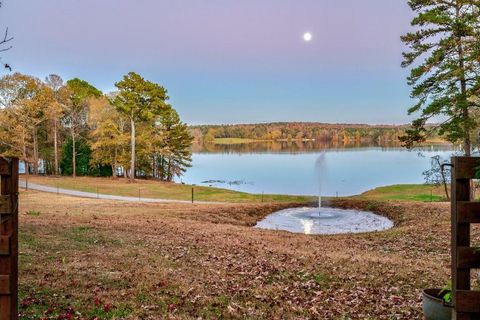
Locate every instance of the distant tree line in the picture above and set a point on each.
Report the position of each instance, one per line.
(72, 128)
(297, 131)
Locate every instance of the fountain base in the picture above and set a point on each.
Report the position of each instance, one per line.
(324, 221)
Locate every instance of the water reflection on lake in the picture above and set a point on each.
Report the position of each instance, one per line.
(288, 167)
(288, 147)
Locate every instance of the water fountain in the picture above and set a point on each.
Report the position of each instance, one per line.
(324, 220)
(320, 169)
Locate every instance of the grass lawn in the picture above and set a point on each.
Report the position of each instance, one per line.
(89, 258)
(157, 189)
(176, 191)
(407, 192)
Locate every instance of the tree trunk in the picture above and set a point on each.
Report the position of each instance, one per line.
(444, 179)
(153, 167)
(74, 156)
(25, 160)
(114, 165)
(132, 149)
(467, 145)
(55, 146)
(161, 169)
(169, 170)
(35, 151)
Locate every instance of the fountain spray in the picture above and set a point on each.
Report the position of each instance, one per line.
(320, 173)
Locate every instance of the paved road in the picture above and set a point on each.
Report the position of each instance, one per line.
(82, 194)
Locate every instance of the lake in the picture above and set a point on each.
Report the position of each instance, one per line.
(289, 168)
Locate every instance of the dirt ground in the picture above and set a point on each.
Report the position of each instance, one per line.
(98, 259)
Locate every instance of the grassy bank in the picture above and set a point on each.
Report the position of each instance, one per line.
(160, 190)
(176, 191)
(407, 192)
(87, 258)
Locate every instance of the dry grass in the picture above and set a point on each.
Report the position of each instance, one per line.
(86, 258)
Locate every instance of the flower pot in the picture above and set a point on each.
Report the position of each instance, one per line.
(434, 308)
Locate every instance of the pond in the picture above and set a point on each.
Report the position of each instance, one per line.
(289, 168)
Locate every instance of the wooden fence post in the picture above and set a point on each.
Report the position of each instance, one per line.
(464, 258)
(9, 239)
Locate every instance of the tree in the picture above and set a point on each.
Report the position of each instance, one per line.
(134, 129)
(82, 157)
(23, 99)
(140, 100)
(209, 136)
(175, 155)
(55, 110)
(76, 111)
(446, 46)
(108, 133)
(438, 174)
(15, 138)
(36, 115)
(4, 44)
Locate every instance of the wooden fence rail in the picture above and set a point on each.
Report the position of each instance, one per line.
(464, 257)
(8, 239)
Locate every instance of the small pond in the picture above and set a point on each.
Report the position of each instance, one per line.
(324, 221)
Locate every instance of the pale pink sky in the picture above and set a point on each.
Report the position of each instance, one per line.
(227, 60)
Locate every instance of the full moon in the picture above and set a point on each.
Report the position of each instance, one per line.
(307, 37)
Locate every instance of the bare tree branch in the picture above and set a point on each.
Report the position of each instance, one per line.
(5, 40)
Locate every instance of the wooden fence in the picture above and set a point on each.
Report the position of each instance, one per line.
(8, 238)
(464, 257)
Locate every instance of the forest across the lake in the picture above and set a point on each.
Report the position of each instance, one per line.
(301, 131)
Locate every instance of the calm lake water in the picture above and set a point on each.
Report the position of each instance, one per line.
(289, 168)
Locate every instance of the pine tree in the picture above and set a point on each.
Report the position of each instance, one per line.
(445, 65)
(176, 155)
(82, 158)
(76, 111)
(141, 101)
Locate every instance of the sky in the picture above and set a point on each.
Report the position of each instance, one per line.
(227, 61)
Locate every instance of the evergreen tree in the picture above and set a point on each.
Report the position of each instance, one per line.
(141, 101)
(82, 158)
(176, 155)
(76, 111)
(445, 66)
